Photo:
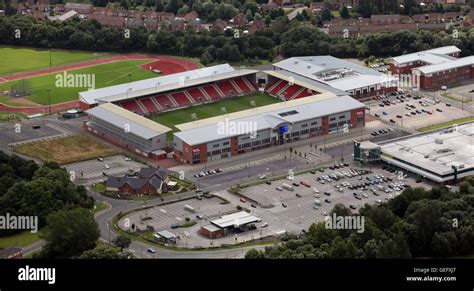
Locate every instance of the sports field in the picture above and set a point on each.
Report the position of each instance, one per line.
(15, 60)
(104, 75)
(170, 119)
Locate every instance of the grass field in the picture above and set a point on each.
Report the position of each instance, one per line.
(172, 118)
(66, 150)
(105, 75)
(446, 124)
(16, 60)
(23, 238)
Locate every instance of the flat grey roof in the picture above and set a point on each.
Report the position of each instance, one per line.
(307, 108)
(238, 219)
(312, 66)
(451, 64)
(431, 56)
(435, 151)
(120, 117)
(162, 84)
(166, 234)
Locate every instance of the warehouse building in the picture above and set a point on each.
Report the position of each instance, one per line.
(128, 130)
(357, 81)
(248, 130)
(443, 156)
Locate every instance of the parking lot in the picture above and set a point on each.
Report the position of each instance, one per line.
(92, 171)
(413, 113)
(29, 131)
(298, 209)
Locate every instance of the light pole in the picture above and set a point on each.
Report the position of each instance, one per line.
(49, 101)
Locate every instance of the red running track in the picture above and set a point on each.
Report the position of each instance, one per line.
(166, 64)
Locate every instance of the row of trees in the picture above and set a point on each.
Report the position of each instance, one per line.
(26, 189)
(281, 37)
(417, 223)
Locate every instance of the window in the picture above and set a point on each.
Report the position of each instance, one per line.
(314, 123)
(215, 145)
(225, 143)
(304, 125)
(288, 113)
(332, 119)
(342, 117)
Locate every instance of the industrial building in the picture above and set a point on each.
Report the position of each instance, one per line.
(248, 130)
(443, 156)
(127, 129)
(357, 81)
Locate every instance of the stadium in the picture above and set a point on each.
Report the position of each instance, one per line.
(157, 118)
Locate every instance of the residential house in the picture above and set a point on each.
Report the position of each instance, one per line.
(193, 15)
(239, 20)
(79, 8)
(149, 181)
(256, 25)
(219, 25)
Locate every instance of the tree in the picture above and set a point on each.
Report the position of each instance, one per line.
(102, 252)
(254, 254)
(122, 242)
(326, 15)
(183, 10)
(159, 7)
(345, 13)
(69, 233)
(172, 6)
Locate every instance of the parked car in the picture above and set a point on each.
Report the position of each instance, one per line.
(243, 200)
(151, 250)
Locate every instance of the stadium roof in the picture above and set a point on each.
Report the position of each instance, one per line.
(235, 219)
(455, 63)
(353, 77)
(433, 154)
(119, 117)
(162, 84)
(305, 82)
(432, 56)
(266, 117)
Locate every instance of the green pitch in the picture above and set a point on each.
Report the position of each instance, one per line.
(104, 75)
(14, 60)
(170, 119)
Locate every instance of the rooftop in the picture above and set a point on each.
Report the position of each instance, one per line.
(455, 63)
(431, 56)
(436, 151)
(162, 84)
(334, 72)
(235, 219)
(265, 117)
(120, 117)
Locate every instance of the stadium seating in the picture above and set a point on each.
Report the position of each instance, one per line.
(290, 91)
(132, 105)
(196, 94)
(181, 99)
(250, 82)
(227, 88)
(240, 82)
(149, 105)
(163, 101)
(278, 86)
(212, 92)
(304, 93)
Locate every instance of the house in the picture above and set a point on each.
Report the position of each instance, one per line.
(177, 24)
(256, 25)
(194, 24)
(79, 8)
(219, 26)
(149, 181)
(109, 21)
(239, 20)
(385, 19)
(193, 15)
